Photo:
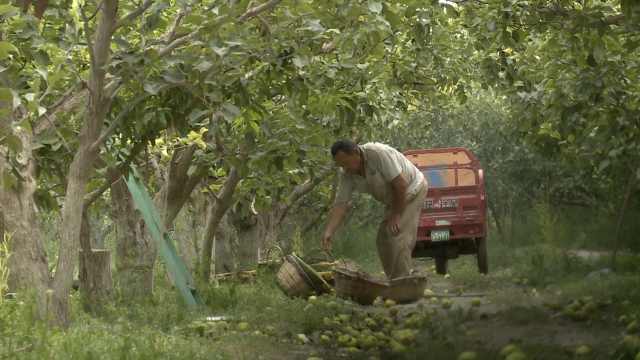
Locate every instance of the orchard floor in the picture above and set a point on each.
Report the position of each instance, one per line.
(534, 304)
(464, 312)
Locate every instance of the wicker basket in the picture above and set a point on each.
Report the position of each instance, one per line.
(292, 280)
(363, 289)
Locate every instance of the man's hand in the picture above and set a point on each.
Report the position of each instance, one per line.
(326, 243)
(393, 224)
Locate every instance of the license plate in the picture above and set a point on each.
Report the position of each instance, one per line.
(439, 235)
(441, 204)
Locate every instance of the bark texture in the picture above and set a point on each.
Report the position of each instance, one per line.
(135, 252)
(28, 262)
(82, 164)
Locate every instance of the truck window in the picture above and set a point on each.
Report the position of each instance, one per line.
(435, 159)
(439, 178)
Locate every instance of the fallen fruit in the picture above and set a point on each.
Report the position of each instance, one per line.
(303, 338)
(518, 355)
(508, 349)
(404, 336)
(243, 326)
(468, 355)
(343, 339)
(352, 349)
(631, 343)
(389, 303)
(476, 302)
(583, 350)
(370, 323)
(446, 303)
(312, 298)
(396, 347)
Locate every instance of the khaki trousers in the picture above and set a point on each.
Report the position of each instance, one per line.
(395, 250)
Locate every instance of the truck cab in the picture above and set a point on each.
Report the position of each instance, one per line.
(453, 220)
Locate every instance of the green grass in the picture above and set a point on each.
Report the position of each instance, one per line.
(162, 328)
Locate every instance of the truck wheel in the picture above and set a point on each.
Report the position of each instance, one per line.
(441, 265)
(483, 265)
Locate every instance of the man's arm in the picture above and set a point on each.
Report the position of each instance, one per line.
(398, 202)
(336, 215)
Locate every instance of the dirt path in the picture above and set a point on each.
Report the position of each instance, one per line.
(489, 317)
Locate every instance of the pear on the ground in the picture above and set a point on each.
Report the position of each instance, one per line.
(583, 350)
(516, 355)
(389, 303)
(468, 355)
(508, 349)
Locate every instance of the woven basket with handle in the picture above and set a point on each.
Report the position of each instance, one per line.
(292, 279)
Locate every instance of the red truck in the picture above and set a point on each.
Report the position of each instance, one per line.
(454, 216)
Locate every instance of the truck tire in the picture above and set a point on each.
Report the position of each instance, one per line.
(441, 265)
(483, 265)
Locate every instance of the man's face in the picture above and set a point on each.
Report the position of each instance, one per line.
(350, 163)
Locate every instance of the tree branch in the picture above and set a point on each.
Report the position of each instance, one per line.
(118, 120)
(256, 10)
(301, 190)
(113, 176)
(177, 43)
(85, 24)
(66, 100)
(134, 14)
(171, 34)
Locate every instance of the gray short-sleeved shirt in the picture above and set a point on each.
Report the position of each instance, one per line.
(382, 164)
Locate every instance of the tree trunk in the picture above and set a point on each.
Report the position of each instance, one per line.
(82, 164)
(498, 221)
(28, 262)
(217, 210)
(260, 232)
(1, 225)
(623, 209)
(96, 286)
(135, 252)
(224, 259)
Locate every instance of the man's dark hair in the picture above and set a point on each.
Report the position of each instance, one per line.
(346, 146)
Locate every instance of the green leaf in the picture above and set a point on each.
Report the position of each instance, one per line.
(375, 7)
(8, 10)
(203, 66)
(604, 164)
(6, 48)
(220, 51)
(153, 88)
(43, 72)
(174, 77)
(230, 111)
(196, 114)
(300, 61)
